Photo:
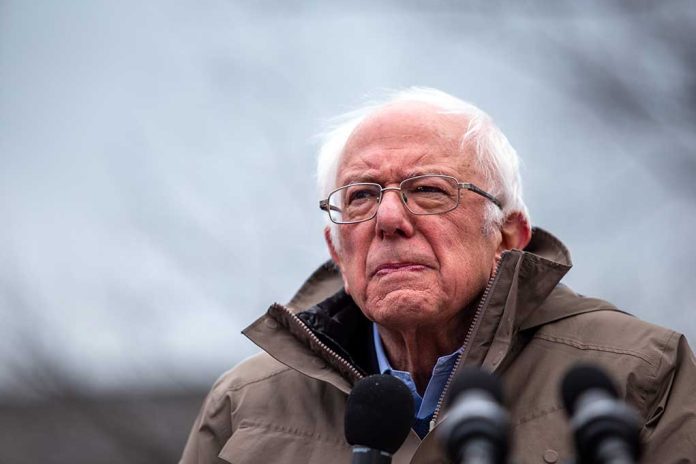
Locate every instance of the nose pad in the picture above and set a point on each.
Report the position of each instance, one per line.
(403, 197)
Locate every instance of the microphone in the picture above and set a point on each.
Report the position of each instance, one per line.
(379, 414)
(477, 428)
(606, 430)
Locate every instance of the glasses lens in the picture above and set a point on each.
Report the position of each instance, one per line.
(354, 203)
(431, 194)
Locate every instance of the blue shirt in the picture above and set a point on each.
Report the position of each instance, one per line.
(425, 405)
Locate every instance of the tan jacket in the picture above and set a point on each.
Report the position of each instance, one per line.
(286, 405)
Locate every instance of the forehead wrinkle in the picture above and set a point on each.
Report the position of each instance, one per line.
(368, 170)
(361, 169)
(433, 141)
(408, 120)
(395, 129)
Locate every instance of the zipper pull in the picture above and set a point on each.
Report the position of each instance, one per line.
(432, 425)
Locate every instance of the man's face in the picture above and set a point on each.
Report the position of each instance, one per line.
(407, 271)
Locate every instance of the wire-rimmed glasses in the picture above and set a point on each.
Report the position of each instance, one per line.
(427, 194)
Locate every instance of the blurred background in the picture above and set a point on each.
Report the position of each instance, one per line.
(157, 179)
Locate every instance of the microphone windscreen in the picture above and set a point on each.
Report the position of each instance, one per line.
(581, 378)
(379, 413)
(474, 378)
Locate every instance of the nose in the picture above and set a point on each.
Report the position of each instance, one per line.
(393, 219)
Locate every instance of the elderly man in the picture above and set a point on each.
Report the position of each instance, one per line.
(434, 267)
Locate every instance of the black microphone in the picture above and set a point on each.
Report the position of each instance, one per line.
(606, 430)
(477, 427)
(379, 414)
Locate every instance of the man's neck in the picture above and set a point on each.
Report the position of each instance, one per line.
(417, 351)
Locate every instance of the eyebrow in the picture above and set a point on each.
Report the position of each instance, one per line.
(423, 172)
(357, 178)
(374, 178)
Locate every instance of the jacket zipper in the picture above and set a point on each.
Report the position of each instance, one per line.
(465, 345)
(328, 351)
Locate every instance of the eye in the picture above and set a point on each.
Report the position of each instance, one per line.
(434, 189)
(431, 189)
(361, 194)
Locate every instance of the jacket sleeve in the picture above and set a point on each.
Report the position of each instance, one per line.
(670, 431)
(210, 431)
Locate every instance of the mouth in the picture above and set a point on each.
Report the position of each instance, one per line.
(392, 268)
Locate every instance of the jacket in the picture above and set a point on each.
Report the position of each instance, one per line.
(287, 403)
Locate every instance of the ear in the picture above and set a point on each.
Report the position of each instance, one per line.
(514, 233)
(335, 256)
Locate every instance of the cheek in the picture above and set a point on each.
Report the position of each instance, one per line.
(353, 256)
(466, 256)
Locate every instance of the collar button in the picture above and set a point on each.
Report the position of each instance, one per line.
(550, 456)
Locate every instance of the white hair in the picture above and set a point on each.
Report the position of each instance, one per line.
(496, 158)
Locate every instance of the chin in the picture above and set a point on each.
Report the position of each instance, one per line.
(402, 308)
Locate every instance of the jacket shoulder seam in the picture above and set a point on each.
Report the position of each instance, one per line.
(219, 394)
(237, 387)
(289, 430)
(595, 347)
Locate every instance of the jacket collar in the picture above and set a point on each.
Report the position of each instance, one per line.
(522, 282)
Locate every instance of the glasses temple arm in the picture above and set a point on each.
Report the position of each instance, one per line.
(325, 206)
(483, 193)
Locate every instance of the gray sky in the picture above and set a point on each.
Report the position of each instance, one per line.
(156, 160)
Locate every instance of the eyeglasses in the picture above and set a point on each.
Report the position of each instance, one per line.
(428, 194)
